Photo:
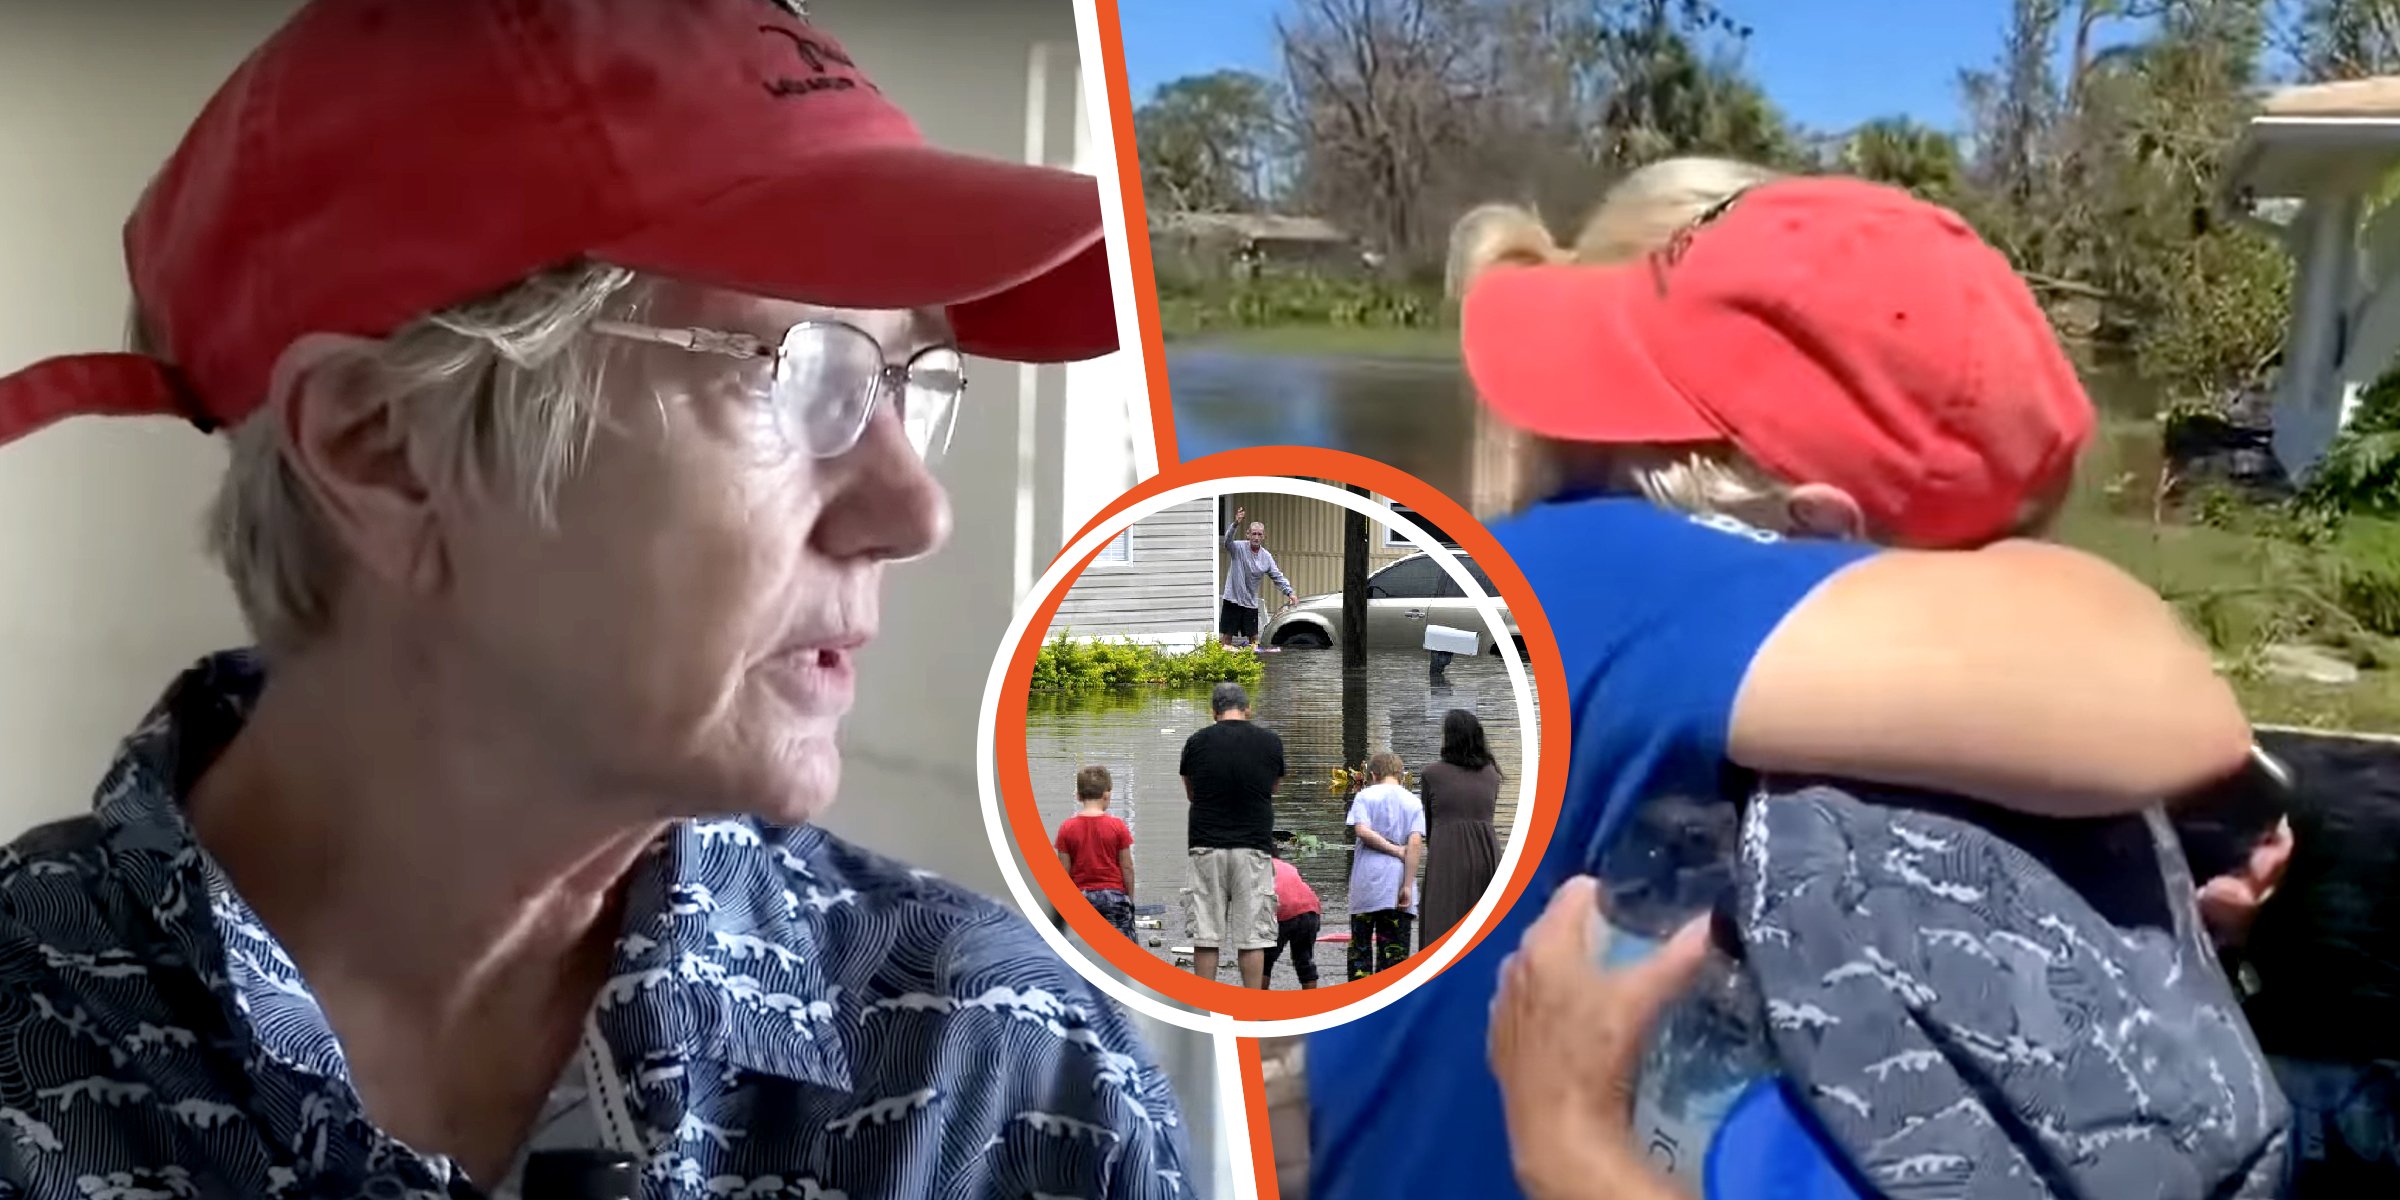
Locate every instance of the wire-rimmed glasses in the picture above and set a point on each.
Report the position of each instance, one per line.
(829, 377)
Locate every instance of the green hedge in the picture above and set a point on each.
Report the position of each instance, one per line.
(1293, 299)
(1069, 665)
(2360, 473)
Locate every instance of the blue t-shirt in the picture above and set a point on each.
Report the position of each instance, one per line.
(1657, 616)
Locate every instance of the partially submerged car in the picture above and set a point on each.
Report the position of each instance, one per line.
(1402, 599)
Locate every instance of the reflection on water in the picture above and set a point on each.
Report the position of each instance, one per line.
(1417, 416)
(1139, 738)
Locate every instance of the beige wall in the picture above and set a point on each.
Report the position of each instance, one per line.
(107, 593)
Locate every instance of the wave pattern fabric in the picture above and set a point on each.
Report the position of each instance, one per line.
(791, 1016)
(1967, 1025)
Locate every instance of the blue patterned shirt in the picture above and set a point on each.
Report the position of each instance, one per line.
(788, 1016)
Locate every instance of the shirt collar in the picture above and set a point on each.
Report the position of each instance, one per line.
(724, 950)
(731, 912)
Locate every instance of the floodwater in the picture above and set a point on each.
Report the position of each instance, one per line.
(1415, 415)
(1139, 738)
(1419, 415)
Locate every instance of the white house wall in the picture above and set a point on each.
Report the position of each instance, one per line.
(1164, 592)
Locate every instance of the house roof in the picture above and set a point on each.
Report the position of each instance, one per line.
(2375, 97)
(1262, 227)
(2320, 137)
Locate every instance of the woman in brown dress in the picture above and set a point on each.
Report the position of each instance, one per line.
(1462, 852)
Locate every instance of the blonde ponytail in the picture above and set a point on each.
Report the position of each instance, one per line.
(1496, 235)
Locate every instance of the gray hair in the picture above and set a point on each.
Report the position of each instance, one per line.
(1705, 481)
(498, 396)
(1715, 480)
(1228, 697)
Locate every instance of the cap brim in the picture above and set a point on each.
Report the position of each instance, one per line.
(1562, 352)
(49, 391)
(1013, 252)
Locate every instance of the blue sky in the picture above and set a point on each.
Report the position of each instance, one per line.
(1829, 63)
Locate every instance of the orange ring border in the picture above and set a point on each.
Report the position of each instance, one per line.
(1014, 773)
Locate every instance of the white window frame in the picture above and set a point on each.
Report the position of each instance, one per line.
(1118, 552)
(1393, 539)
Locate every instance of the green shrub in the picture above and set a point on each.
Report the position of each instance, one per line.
(2205, 317)
(1066, 664)
(1290, 298)
(2365, 563)
(2361, 470)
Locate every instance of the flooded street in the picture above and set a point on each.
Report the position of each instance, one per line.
(1415, 415)
(1139, 738)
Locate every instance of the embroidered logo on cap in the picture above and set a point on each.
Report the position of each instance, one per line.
(829, 70)
(1681, 243)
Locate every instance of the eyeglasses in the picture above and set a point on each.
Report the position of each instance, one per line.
(829, 377)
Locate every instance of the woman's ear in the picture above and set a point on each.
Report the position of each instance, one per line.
(348, 444)
(1821, 510)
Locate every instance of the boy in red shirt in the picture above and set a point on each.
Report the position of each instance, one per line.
(1297, 914)
(1097, 851)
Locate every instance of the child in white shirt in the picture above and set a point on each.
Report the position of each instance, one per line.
(1389, 821)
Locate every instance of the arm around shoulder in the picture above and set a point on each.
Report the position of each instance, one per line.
(2027, 674)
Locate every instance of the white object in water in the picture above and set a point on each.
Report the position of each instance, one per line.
(1456, 641)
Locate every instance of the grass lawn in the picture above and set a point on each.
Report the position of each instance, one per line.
(2240, 587)
(2244, 590)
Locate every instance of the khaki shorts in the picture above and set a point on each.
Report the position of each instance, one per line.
(1231, 901)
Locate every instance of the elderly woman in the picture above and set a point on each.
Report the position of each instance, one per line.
(582, 360)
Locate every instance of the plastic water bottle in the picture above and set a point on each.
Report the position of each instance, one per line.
(1672, 863)
(1710, 1050)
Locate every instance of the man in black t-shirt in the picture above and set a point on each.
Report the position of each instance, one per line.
(1230, 772)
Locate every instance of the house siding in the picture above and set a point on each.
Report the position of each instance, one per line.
(1166, 591)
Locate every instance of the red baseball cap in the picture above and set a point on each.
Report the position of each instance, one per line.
(377, 160)
(1835, 331)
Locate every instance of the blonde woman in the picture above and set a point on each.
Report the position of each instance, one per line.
(1820, 358)
(1638, 215)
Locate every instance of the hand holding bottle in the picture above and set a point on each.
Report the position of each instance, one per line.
(1567, 1041)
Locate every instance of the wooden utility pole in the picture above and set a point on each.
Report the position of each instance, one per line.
(1354, 586)
(1354, 642)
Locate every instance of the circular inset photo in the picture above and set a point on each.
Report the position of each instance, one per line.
(1267, 746)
